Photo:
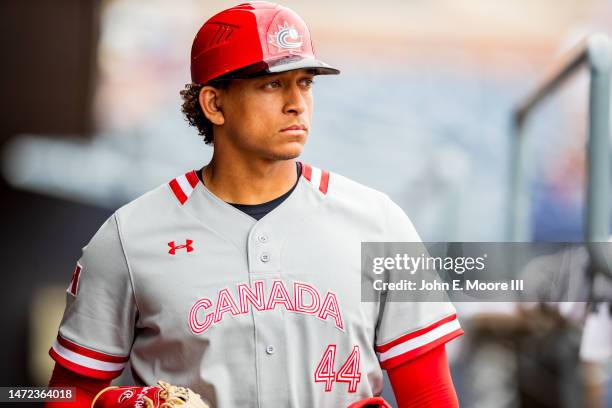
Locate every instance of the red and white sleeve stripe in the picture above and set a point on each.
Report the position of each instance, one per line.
(74, 282)
(319, 178)
(86, 362)
(416, 343)
(183, 185)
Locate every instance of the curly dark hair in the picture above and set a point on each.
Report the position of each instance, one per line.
(193, 111)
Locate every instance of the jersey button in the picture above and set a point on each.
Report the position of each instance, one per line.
(265, 257)
(263, 238)
(270, 349)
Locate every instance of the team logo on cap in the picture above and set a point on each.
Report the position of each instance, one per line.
(286, 38)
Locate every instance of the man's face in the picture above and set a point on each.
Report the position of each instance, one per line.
(269, 116)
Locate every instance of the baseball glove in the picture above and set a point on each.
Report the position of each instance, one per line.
(163, 395)
(374, 402)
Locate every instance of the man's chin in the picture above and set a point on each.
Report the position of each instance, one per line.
(287, 154)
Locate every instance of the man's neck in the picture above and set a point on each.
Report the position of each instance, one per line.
(249, 182)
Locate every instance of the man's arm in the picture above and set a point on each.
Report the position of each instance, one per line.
(86, 388)
(424, 382)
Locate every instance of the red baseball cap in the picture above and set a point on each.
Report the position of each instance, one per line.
(252, 39)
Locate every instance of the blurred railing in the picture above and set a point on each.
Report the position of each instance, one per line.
(595, 52)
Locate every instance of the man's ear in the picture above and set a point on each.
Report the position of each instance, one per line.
(209, 100)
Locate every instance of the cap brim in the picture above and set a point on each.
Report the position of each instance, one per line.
(289, 64)
(281, 65)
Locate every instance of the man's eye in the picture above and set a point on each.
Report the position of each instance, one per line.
(272, 85)
(308, 82)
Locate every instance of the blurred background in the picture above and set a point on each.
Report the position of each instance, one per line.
(422, 111)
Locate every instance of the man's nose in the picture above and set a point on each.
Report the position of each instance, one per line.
(295, 100)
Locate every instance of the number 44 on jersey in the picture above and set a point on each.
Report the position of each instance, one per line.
(348, 372)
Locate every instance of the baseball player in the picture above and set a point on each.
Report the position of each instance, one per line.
(241, 280)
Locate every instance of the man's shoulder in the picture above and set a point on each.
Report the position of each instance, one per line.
(350, 195)
(347, 199)
(352, 198)
(164, 199)
(342, 186)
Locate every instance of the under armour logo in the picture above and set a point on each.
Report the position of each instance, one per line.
(173, 247)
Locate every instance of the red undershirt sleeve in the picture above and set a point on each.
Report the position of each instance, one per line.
(424, 382)
(86, 388)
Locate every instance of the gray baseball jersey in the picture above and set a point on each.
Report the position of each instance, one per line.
(248, 313)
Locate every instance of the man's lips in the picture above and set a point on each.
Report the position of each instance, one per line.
(294, 127)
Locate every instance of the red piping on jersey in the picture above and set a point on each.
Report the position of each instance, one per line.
(178, 191)
(192, 178)
(324, 181)
(384, 347)
(82, 370)
(182, 196)
(90, 353)
(74, 285)
(417, 352)
(306, 171)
